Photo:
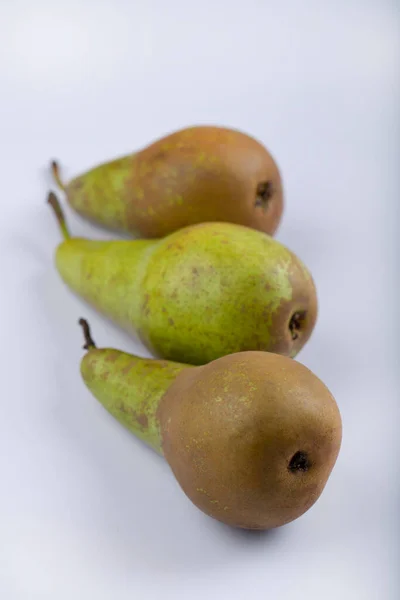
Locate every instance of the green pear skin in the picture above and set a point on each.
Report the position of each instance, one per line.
(200, 293)
(251, 438)
(193, 175)
(130, 388)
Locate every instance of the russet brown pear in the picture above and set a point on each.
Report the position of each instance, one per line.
(251, 438)
(193, 175)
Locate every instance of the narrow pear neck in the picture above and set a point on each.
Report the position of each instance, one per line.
(130, 388)
(107, 274)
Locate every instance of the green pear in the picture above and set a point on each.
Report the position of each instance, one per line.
(191, 176)
(251, 437)
(200, 293)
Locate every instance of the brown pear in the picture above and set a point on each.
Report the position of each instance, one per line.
(192, 176)
(251, 437)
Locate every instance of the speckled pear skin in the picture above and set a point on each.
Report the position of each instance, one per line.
(130, 388)
(194, 175)
(200, 293)
(251, 438)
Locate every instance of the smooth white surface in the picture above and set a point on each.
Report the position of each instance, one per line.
(86, 511)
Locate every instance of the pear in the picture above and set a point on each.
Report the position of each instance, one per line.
(251, 438)
(191, 176)
(200, 293)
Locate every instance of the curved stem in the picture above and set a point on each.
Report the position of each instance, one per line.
(55, 205)
(89, 343)
(55, 169)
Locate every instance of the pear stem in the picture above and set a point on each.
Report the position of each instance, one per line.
(55, 169)
(56, 206)
(89, 343)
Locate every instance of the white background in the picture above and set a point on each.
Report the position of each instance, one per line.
(86, 511)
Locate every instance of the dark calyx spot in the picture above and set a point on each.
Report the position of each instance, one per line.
(264, 193)
(296, 323)
(299, 462)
